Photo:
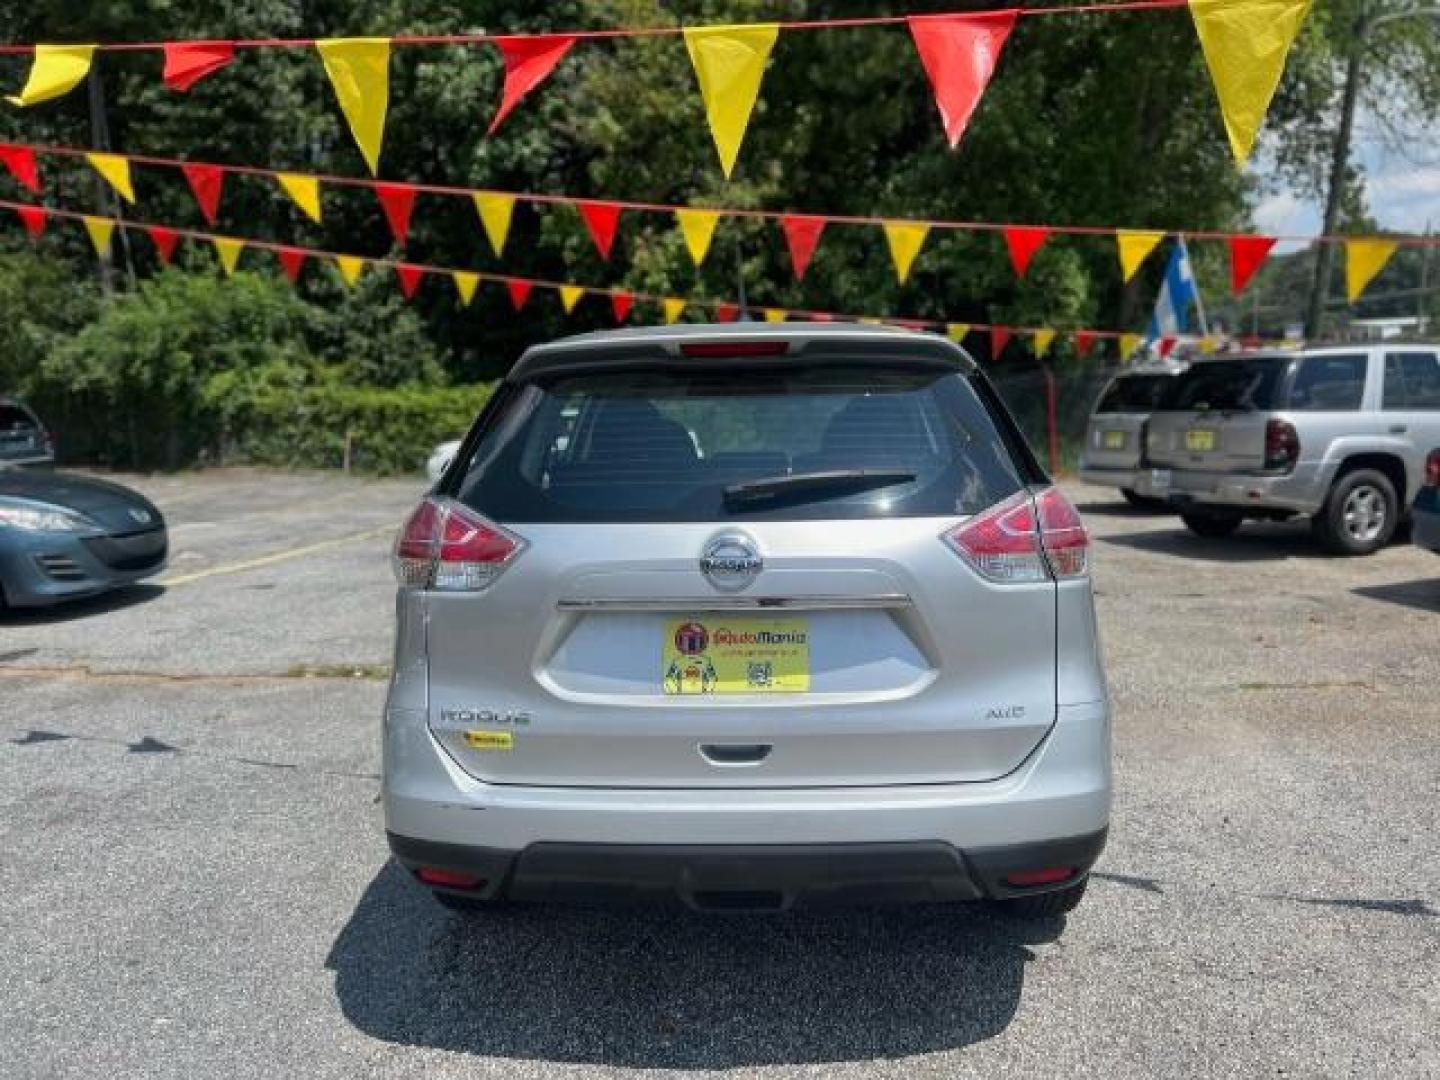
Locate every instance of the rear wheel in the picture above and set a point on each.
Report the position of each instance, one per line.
(1359, 516)
(1044, 905)
(1145, 502)
(1213, 526)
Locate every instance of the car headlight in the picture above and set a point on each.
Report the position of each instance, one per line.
(39, 517)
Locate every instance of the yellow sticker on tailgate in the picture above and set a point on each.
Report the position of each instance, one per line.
(489, 740)
(724, 655)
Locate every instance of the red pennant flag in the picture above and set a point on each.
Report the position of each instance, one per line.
(1247, 253)
(621, 303)
(1167, 346)
(727, 312)
(206, 182)
(910, 324)
(519, 291)
(821, 316)
(292, 261)
(528, 61)
(187, 62)
(1023, 242)
(1084, 342)
(397, 200)
(33, 218)
(164, 240)
(20, 160)
(999, 338)
(409, 275)
(601, 218)
(801, 235)
(959, 53)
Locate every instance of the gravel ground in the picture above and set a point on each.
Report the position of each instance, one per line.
(196, 882)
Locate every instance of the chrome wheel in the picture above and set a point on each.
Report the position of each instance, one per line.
(1364, 513)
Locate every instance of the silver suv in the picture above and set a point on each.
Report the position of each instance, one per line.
(752, 617)
(1338, 433)
(1114, 451)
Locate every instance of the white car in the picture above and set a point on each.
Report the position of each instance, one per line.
(440, 459)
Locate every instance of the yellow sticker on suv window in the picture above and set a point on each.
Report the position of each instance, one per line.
(489, 740)
(724, 655)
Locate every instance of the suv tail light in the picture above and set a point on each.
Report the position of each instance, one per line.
(1282, 445)
(1024, 539)
(1432, 469)
(451, 548)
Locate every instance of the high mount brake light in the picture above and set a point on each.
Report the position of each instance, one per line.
(702, 350)
(450, 548)
(1018, 541)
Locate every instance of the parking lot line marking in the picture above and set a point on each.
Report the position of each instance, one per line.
(275, 557)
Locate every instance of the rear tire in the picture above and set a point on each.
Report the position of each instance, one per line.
(1143, 502)
(1359, 515)
(1045, 905)
(1212, 526)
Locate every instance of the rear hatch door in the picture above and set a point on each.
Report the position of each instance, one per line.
(1215, 415)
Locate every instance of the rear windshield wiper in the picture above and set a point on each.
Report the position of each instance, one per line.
(821, 485)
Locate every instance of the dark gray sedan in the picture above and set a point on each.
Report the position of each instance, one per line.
(64, 536)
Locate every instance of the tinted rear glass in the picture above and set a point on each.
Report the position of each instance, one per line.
(1328, 384)
(1134, 393)
(14, 418)
(666, 446)
(1253, 382)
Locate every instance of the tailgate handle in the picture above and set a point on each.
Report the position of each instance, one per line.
(731, 754)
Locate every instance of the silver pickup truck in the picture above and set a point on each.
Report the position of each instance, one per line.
(1114, 451)
(1338, 433)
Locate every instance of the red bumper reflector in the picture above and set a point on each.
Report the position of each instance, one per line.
(710, 349)
(451, 879)
(1047, 876)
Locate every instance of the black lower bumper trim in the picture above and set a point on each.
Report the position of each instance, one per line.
(751, 877)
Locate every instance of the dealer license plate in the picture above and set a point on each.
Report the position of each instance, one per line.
(1114, 440)
(1200, 440)
(723, 655)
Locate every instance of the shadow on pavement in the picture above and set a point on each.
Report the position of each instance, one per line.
(1254, 542)
(125, 597)
(1122, 509)
(648, 988)
(1423, 593)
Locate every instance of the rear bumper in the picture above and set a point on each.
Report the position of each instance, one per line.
(754, 876)
(1106, 477)
(1061, 791)
(1299, 492)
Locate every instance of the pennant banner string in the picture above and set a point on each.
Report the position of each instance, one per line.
(1403, 239)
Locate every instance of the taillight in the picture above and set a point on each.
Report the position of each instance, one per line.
(1021, 540)
(1432, 469)
(448, 547)
(1282, 445)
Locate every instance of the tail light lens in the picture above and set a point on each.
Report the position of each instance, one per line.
(450, 548)
(1432, 469)
(1282, 445)
(1023, 540)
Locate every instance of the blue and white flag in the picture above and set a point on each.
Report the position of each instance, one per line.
(1172, 309)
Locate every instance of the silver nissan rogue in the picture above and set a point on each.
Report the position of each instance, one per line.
(750, 617)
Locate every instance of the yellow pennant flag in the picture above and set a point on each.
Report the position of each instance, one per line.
(1209, 344)
(957, 332)
(495, 213)
(1041, 340)
(229, 251)
(1128, 344)
(304, 191)
(350, 267)
(116, 171)
(1135, 248)
(775, 314)
(672, 307)
(729, 63)
(1363, 260)
(698, 227)
(1245, 44)
(359, 70)
(57, 70)
(465, 285)
(905, 240)
(101, 230)
(870, 320)
(570, 296)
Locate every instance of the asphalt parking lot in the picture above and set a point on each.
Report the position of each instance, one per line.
(195, 879)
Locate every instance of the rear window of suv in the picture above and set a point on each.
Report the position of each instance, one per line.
(707, 445)
(1253, 382)
(1134, 393)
